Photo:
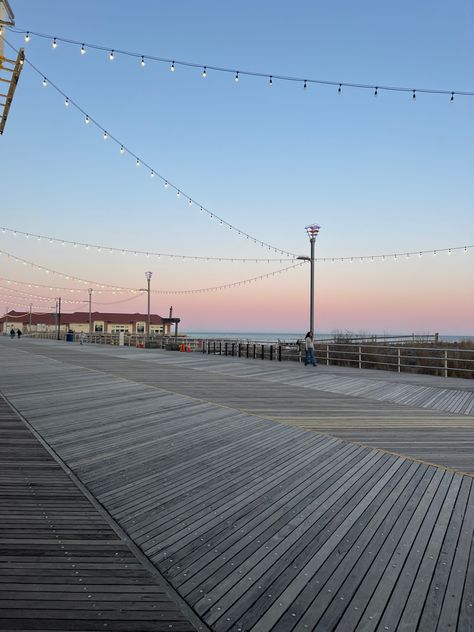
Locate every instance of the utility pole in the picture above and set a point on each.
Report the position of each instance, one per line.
(90, 310)
(31, 306)
(148, 279)
(59, 318)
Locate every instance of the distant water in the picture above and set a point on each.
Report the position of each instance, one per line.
(289, 336)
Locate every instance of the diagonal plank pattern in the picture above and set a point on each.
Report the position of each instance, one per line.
(259, 526)
(430, 435)
(62, 567)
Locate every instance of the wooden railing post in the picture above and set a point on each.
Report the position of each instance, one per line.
(327, 354)
(398, 360)
(445, 363)
(360, 357)
(279, 353)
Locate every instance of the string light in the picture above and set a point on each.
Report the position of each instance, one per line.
(236, 77)
(55, 44)
(204, 72)
(281, 77)
(305, 84)
(138, 162)
(376, 91)
(270, 82)
(45, 82)
(452, 97)
(105, 286)
(166, 182)
(152, 174)
(87, 119)
(111, 55)
(101, 247)
(66, 102)
(122, 150)
(414, 95)
(83, 50)
(142, 63)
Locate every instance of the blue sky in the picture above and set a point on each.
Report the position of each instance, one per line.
(379, 174)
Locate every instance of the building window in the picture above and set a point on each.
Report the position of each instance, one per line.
(115, 329)
(140, 328)
(99, 327)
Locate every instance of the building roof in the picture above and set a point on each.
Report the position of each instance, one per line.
(82, 318)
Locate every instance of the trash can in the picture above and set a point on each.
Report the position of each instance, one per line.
(69, 336)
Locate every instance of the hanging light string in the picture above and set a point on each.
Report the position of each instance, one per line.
(53, 287)
(153, 173)
(11, 316)
(140, 291)
(25, 295)
(236, 73)
(129, 251)
(69, 277)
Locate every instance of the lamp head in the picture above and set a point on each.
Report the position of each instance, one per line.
(312, 230)
(148, 275)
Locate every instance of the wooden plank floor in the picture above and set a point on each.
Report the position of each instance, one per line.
(259, 526)
(62, 567)
(430, 435)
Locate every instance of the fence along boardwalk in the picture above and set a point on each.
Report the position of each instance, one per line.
(259, 526)
(62, 567)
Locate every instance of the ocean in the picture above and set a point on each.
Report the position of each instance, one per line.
(258, 336)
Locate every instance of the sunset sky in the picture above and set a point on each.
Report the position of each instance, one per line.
(381, 175)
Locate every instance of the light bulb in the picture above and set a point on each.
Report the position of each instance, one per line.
(376, 91)
(87, 119)
(204, 72)
(190, 201)
(270, 82)
(66, 102)
(122, 150)
(152, 174)
(105, 135)
(45, 82)
(172, 68)
(450, 252)
(178, 193)
(465, 249)
(340, 88)
(452, 97)
(434, 253)
(413, 96)
(27, 37)
(142, 63)
(55, 44)
(83, 50)
(111, 55)
(166, 184)
(305, 84)
(237, 77)
(138, 162)
(1, 29)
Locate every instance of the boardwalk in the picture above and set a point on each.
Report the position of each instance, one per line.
(261, 525)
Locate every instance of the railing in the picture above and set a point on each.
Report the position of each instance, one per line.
(434, 360)
(447, 362)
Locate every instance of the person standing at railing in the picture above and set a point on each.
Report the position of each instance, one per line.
(309, 357)
(82, 337)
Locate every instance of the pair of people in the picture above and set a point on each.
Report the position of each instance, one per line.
(12, 333)
(309, 357)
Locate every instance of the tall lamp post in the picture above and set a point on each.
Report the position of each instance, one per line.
(312, 230)
(148, 275)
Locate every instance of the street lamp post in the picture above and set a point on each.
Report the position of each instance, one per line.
(90, 311)
(312, 230)
(148, 275)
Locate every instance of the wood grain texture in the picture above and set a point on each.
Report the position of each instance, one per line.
(260, 526)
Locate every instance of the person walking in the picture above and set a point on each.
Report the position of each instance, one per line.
(12, 333)
(18, 333)
(82, 337)
(309, 349)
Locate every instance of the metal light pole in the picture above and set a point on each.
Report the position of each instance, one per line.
(90, 310)
(312, 230)
(148, 275)
(59, 318)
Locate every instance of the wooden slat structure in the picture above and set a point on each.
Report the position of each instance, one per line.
(259, 526)
(10, 71)
(62, 567)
